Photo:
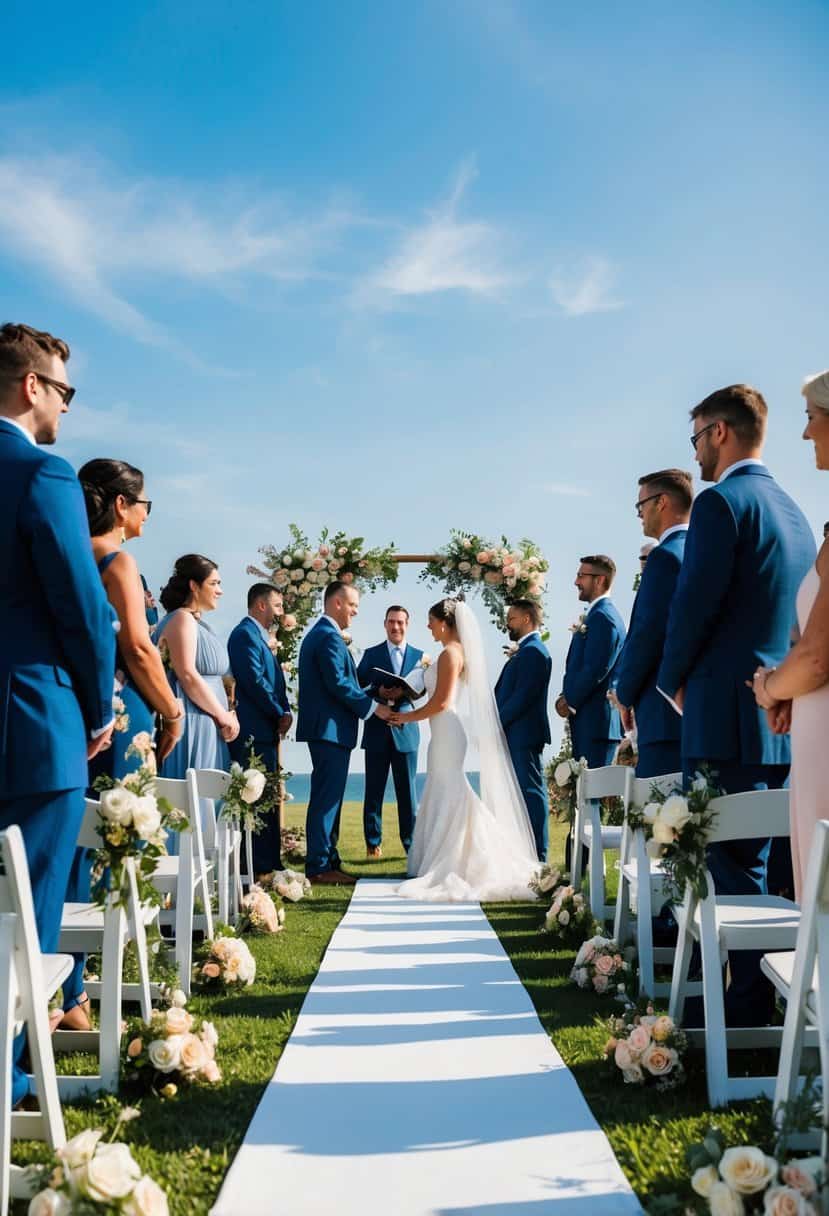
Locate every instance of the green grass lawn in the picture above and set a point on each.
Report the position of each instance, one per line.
(187, 1143)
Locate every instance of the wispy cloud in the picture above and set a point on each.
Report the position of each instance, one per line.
(567, 491)
(446, 253)
(586, 288)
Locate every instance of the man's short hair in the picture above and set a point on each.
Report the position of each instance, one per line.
(260, 591)
(23, 349)
(334, 588)
(742, 407)
(532, 609)
(675, 483)
(604, 564)
(396, 608)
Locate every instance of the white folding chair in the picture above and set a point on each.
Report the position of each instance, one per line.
(802, 977)
(721, 923)
(211, 784)
(612, 781)
(185, 877)
(27, 980)
(87, 929)
(641, 884)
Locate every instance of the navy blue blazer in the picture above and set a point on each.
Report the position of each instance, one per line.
(375, 731)
(656, 720)
(331, 701)
(261, 699)
(748, 549)
(57, 642)
(521, 695)
(589, 672)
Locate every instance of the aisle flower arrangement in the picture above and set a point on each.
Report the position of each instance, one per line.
(293, 844)
(676, 828)
(646, 1048)
(175, 1048)
(225, 963)
(568, 918)
(603, 966)
(502, 572)
(288, 884)
(262, 912)
(244, 804)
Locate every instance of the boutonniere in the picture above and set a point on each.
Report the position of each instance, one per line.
(353, 650)
(273, 646)
(579, 626)
(510, 649)
(425, 662)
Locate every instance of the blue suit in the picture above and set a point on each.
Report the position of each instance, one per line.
(521, 697)
(595, 727)
(261, 700)
(330, 704)
(389, 747)
(749, 547)
(658, 725)
(57, 657)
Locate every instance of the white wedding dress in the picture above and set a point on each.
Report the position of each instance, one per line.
(468, 849)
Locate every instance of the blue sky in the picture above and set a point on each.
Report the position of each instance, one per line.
(401, 267)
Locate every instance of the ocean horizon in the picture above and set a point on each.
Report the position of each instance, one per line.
(299, 786)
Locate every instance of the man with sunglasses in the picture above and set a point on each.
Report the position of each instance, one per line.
(747, 551)
(57, 645)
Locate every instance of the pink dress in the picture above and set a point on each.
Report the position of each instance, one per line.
(810, 753)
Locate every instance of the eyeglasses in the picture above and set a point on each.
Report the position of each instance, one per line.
(145, 502)
(65, 390)
(640, 504)
(696, 438)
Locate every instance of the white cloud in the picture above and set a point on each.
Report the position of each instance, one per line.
(444, 254)
(568, 491)
(586, 289)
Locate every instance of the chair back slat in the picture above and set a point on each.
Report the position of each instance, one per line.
(88, 837)
(210, 782)
(757, 813)
(16, 889)
(642, 788)
(612, 781)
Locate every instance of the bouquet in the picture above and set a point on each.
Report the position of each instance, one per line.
(503, 572)
(289, 884)
(569, 917)
(294, 845)
(745, 1179)
(603, 967)
(174, 1048)
(546, 879)
(133, 823)
(262, 912)
(647, 1048)
(227, 963)
(562, 775)
(676, 828)
(244, 803)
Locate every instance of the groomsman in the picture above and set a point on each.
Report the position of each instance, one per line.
(748, 548)
(521, 696)
(331, 703)
(385, 746)
(57, 645)
(663, 506)
(261, 703)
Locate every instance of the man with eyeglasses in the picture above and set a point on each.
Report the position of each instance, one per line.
(663, 507)
(57, 645)
(748, 548)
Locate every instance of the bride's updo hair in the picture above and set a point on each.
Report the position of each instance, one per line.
(444, 610)
(190, 568)
(102, 481)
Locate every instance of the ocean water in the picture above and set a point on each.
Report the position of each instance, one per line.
(300, 786)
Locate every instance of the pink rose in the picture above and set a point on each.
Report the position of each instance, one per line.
(793, 1176)
(638, 1039)
(288, 623)
(484, 557)
(659, 1060)
(622, 1056)
(135, 1048)
(605, 965)
(786, 1201)
(324, 550)
(211, 971)
(318, 564)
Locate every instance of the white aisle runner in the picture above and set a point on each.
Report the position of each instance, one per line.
(419, 1081)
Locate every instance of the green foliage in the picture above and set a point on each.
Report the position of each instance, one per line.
(501, 572)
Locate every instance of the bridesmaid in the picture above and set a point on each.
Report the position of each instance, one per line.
(796, 694)
(198, 659)
(117, 511)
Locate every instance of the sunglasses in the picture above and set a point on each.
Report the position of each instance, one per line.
(66, 391)
(145, 502)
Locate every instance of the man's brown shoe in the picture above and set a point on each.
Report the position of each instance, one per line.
(333, 878)
(374, 852)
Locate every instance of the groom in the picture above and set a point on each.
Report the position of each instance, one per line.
(521, 697)
(331, 703)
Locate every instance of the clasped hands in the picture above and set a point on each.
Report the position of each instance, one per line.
(778, 713)
(387, 712)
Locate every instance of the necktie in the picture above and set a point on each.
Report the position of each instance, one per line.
(398, 660)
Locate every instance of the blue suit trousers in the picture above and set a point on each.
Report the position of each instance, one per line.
(322, 826)
(49, 824)
(267, 843)
(528, 772)
(403, 767)
(659, 759)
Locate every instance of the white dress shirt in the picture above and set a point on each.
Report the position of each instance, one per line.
(670, 531)
(739, 464)
(340, 632)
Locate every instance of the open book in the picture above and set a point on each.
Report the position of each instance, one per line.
(412, 685)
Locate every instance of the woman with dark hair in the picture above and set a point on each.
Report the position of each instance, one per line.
(197, 661)
(117, 511)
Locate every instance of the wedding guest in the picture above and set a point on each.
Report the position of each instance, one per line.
(198, 659)
(747, 551)
(57, 645)
(261, 703)
(521, 697)
(663, 507)
(796, 692)
(150, 606)
(826, 530)
(389, 747)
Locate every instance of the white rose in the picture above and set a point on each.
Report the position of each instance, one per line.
(699, 783)
(580, 976)
(654, 850)
(209, 1035)
(650, 811)
(786, 1201)
(703, 1179)
(178, 998)
(563, 773)
(165, 1054)
(117, 806)
(146, 817)
(79, 1149)
(663, 833)
(112, 1173)
(724, 1202)
(675, 812)
(177, 1020)
(633, 1075)
(564, 917)
(747, 1169)
(287, 560)
(254, 785)
(548, 880)
(147, 1199)
(50, 1203)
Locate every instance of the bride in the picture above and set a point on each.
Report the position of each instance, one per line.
(466, 848)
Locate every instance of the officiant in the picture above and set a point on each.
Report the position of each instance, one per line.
(388, 748)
